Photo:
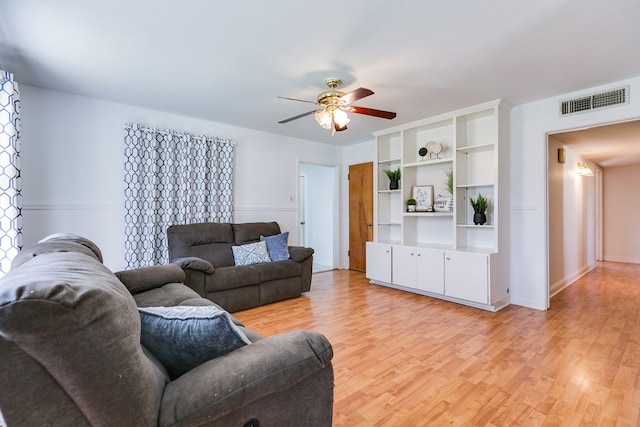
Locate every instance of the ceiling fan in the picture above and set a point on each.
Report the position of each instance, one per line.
(335, 105)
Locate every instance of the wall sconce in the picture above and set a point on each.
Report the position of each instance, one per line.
(561, 157)
(584, 170)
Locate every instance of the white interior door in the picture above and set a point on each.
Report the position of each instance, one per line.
(318, 211)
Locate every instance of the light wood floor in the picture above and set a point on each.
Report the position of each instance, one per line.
(407, 360)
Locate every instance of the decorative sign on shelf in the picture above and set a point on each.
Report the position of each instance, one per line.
(431, 148)
(443, 203)
(423, 194)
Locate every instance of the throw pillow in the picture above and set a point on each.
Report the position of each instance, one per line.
(251, 253)
(183, 337)
(277, 245)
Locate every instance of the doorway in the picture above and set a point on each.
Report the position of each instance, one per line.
(317, 211)
(578, 207)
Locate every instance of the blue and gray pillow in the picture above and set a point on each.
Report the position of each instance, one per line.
(277, 245)
(183, 337)
(251, 253)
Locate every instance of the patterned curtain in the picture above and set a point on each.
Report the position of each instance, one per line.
(10, 183)
(172, 178)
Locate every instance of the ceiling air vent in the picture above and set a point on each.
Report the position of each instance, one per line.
(598, 100)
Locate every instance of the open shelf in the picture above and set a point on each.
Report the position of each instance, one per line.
(418, 245)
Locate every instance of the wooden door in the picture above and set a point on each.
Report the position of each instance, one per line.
(360, 214)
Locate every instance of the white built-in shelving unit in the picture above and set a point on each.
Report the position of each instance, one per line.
(444, 254)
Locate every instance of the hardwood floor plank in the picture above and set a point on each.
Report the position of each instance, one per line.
(402, 359)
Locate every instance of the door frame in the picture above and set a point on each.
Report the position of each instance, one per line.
(336, 203)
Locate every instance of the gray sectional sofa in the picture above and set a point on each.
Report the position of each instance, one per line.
(71, 351)
(206, 253)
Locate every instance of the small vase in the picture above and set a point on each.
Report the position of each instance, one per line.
(411, 208)
(479, 218)
(393, 185)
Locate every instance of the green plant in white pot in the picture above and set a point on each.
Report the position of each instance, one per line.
(479, 205)
(411, 205)
(394, 178)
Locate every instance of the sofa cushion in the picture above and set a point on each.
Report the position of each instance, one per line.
(138, 280)
(173, 294)
(233, 277)
(249, 232)
(208, 240)
(277, 245)
(52, 246)
(70, 237)
(278, 270)
(183, 337)
(251, 253)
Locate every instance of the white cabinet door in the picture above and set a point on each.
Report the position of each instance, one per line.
(430, 270)
(379, 261)
(466, 276)
(404, 266)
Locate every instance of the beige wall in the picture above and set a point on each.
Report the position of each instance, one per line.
(571, 219)
(620, 211)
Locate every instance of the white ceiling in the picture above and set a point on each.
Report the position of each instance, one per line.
(228, 61)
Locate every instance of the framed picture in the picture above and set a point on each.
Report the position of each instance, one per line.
(424, 197)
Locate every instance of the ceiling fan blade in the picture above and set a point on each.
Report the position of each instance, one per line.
(359, 93)
(295, 99)
(297, 117)
(372, 112)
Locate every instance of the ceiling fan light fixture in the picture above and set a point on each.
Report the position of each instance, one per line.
(340, 118)
(335, 104)
(323, 117)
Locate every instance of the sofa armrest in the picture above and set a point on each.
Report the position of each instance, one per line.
(299, 253)
(194, 263)
(142, 279)
(227, 383)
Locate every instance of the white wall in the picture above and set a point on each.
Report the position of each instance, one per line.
(530, 124)
(72, 167)
(621, 207)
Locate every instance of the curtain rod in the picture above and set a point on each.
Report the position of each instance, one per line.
(135, 126)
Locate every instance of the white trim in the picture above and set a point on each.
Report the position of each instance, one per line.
(72, 207)
(565, 282)
(264, 208)
(625, 259)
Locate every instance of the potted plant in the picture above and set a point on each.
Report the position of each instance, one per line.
(449, 182)
(394, 178)
(411, 205)
(479, 205)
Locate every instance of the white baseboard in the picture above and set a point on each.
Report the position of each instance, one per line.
(565, 282)
(626, 259)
